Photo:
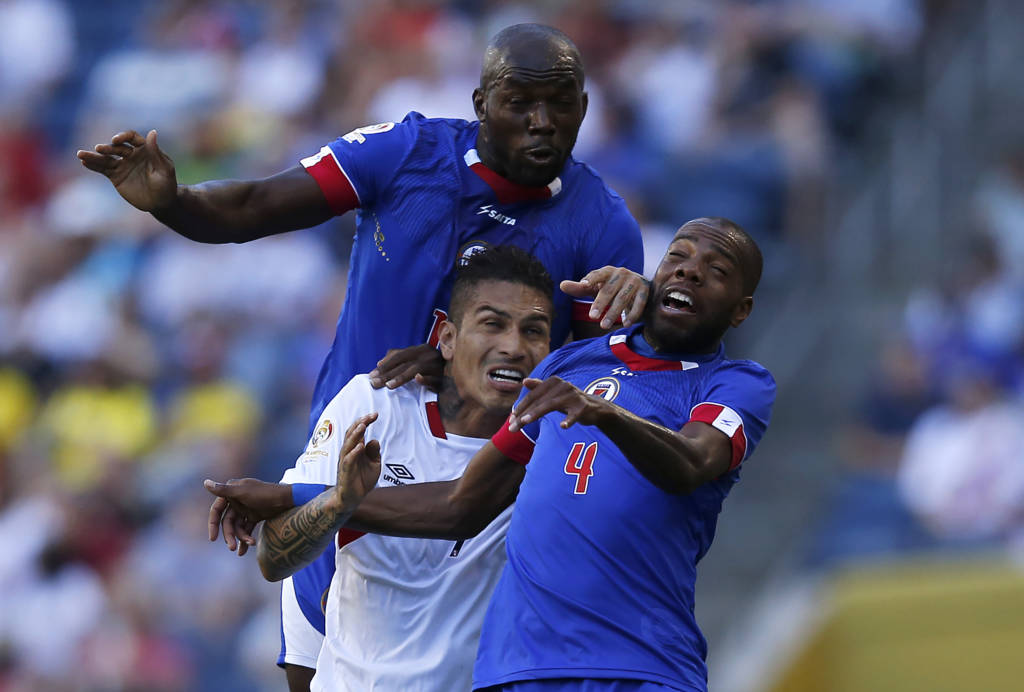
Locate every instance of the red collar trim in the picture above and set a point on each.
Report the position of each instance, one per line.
(434, 420)
(634, 361)
(507, 191)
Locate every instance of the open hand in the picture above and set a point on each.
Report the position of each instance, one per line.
(241, 504)
(358, 465)
(617, 293)
(555, 394)
(141, 173)
(422, 363)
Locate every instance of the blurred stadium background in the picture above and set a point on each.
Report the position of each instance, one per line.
(874, 147)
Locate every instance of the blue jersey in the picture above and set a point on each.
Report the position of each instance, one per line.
(602, 563)
(424, 201)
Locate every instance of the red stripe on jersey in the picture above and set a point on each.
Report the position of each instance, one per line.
(637, 362)
(333, 181)
(726, 420)
(346, 536)
(434, 420)
(505, 190)
(517, 446)
(581, 313)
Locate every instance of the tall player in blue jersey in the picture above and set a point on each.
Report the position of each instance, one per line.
(622, 453)
(427, 191)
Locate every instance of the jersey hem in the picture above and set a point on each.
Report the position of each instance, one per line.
(586, 673)
(296, 660)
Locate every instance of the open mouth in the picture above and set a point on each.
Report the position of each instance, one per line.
(678, 301)
(507, 379)
(541, 155)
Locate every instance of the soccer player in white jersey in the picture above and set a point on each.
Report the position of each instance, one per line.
(406, 614)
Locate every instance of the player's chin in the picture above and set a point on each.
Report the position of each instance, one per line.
(534, 174)
(498, 400)
(674, 328)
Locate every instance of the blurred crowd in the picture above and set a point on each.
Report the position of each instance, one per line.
(934, 455)
(134, 363)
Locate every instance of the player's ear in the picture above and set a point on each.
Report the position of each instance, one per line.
(742, 311)
(480, 103)
(586, 102)
(446, 336)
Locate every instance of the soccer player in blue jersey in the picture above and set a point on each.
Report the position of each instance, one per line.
(427, 192)
(622, 452)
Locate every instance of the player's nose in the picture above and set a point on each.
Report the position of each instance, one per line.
(512, 345)
(690, 269)
(540, 119)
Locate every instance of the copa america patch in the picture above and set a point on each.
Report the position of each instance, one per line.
(605, 387)
(322, 433)
(470, 249)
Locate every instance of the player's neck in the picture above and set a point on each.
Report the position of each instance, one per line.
(461, 417)
(668, 347)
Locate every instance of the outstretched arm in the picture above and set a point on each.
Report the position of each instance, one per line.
(219, 211)
(677, 461)
(450, 510)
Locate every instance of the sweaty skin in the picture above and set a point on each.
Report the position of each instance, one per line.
(530, 103)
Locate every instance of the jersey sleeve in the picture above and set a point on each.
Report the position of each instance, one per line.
(738, 402)
(619, 244)
(353, 170)
(318, 463)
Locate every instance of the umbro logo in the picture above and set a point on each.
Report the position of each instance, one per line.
(398, 473)
(496, 215)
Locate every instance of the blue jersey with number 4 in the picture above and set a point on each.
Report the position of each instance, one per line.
(602, 563)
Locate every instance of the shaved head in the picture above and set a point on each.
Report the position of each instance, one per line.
(530, 48)
(530, 103)
(748, 253)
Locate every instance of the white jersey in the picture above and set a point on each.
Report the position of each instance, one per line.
(403, 614)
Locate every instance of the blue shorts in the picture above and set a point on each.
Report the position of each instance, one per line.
(578, 685)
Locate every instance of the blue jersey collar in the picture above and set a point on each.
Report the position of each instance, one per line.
(505, 190)
(629, 346)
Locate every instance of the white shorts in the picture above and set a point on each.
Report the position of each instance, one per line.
(300, 642)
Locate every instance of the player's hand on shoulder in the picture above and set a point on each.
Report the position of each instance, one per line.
(400, 365)
(358, 464)
(240, 504)
(618, 293)
(555, 394)
(142, 174)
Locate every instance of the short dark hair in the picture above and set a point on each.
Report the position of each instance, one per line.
(751, 260)
(497, 263)
(532, 37)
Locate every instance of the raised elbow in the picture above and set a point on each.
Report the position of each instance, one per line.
(271, 573)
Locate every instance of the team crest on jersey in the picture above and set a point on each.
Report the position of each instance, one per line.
(322, 433)
(470, 249)
(605, 387)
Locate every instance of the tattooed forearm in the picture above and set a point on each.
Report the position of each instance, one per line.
(294, 539)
